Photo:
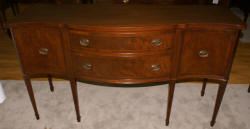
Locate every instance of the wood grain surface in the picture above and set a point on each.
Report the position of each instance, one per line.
(127, 16)
(10, 66)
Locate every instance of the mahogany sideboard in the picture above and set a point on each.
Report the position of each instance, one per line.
(129, 44)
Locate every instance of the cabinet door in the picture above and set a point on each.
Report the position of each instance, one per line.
(206, 53)
(40, 50)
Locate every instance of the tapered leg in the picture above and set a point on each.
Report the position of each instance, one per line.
(204, 87)
(75, 97)
(220, 94)
(170, 100)
(31, 94)
(249, 88)
(50, 83)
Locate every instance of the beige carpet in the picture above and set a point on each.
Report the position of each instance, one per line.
(122, 108)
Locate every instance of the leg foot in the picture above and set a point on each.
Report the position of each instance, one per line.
(75, 97)
(37, 116)
(212, 123)
(220, 94)
(167, 122)
(50, 83)
(31, 95)
(203, 87)
(170, 100)
(249, 88)
(78, 118)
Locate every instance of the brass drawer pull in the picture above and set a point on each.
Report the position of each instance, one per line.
(84, 42)
(125, 1)
(156, 42)
(155, 67)
(43, 51)
(203, 53)
(87, 66)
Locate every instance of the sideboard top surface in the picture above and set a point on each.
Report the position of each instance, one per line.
(127, 15)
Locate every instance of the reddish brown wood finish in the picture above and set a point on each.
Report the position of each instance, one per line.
(31, 41)
(171, 88)
(75, 98)
(218, 45)
(119, 42)
(203, 87)
(130, 17)
(31, 95)
(50, 83)
(116, 44)
(220, 94)
(122, 68)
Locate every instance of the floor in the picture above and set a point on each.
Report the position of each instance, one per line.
(123, 108)
(10, 69)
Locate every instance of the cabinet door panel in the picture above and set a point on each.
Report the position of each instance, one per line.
(40, 50)
(206, 52)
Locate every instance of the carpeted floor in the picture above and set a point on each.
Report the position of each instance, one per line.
(122, 108)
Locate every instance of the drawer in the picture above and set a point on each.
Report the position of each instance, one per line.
(107, 67)
(206, 52)
(121, 41)
(40, 50)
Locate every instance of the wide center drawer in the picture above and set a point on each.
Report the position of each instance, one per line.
(121, 41)
(113, 67)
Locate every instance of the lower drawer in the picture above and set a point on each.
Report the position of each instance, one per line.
(114, 68)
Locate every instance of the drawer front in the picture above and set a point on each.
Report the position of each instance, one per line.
(206, 52)
(40, 50)
(121, 41)
(107, 67)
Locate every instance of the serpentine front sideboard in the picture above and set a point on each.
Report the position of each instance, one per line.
(129, 44)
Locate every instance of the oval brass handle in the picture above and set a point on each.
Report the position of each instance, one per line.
(155, 67)
(43, 51)
(203, 53)
(156, 42)
(87, 66)
(84, 42)
(125, 1)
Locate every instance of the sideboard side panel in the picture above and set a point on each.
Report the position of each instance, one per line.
(233, 49)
